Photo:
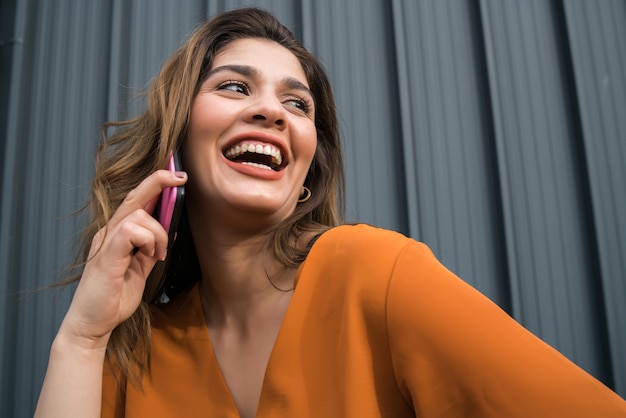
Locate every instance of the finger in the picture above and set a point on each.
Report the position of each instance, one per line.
(139, 232)
(141, 240)
(146, 194)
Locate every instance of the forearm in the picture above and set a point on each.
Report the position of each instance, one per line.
(73, 383)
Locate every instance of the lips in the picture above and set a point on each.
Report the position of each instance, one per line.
(256, 154)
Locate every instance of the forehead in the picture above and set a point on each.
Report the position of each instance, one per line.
(265, 55)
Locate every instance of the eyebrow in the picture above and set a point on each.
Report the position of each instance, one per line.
(249, 71)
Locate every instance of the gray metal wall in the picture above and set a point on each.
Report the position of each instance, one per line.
(493, 130)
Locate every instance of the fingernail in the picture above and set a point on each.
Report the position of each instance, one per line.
(180, 174)
(164, 255)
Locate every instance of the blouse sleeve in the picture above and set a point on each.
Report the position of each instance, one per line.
(455, 353)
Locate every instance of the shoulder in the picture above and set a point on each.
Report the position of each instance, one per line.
(361, 231)
(360, 258)
(361, 236)
(367, 245)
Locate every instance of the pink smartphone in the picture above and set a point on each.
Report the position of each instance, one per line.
(170, 205)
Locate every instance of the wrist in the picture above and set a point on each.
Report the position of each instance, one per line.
(67, 339)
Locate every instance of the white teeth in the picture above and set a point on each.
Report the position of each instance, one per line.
(256, 165)
(277, 156)
(256, 148)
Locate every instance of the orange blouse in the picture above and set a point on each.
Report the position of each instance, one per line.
(377, 327)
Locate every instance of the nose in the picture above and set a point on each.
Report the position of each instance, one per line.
(267, 111)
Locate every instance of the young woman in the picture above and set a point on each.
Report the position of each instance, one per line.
(264, 306)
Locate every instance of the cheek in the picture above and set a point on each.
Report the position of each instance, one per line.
(200, 121)
(308, 144)
(205, 128)
(210, 115)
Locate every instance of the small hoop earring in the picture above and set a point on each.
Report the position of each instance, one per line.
(306, 194)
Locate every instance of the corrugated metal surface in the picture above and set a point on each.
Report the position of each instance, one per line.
(597, 40)
(450, 165)
(547, 225)
(57, 71)
(492, 130)
(355, 42)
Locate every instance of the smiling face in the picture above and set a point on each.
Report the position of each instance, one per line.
(251, 135)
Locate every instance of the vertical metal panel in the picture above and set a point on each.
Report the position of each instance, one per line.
(597, 34)
(144, 33)
(13, 53)
(352, 39)
(52, 126)
(8, 45)
(538, 160)
(448, 153)
(289, 12)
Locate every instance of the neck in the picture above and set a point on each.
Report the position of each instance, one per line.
(240, 277)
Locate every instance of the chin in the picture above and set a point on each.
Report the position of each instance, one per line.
(262, 204)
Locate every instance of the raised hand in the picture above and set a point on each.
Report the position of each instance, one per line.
(121, 257)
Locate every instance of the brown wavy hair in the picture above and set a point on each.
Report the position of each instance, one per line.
(139, 146)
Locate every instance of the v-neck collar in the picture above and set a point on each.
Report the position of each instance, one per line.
(280, 368)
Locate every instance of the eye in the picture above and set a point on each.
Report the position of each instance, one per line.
(235, 86)
(300, 103)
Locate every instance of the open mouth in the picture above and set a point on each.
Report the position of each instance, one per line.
(258, 155)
